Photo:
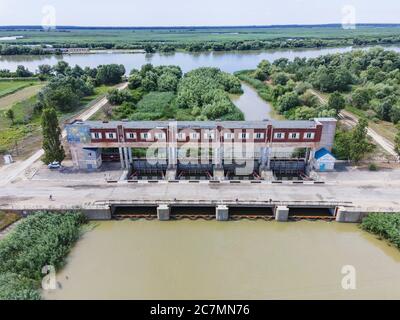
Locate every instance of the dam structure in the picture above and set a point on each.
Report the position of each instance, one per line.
(211, 150)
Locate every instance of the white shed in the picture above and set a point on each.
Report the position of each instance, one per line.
(324, 160)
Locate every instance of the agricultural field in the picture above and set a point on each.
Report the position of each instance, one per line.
(10, 87)
(22, 94)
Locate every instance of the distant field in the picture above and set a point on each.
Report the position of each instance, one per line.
(176, 35)
(9, 87)
(18, 96)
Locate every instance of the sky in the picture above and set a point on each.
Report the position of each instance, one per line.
(196, 13)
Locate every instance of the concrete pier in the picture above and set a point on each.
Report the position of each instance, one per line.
(348, 215)
(282, 213)
(163, 212)
(222, 213)
(170, 174)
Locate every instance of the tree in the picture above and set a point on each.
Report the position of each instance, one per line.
(135, 80)
(360, 98)
(167, 82)
(288, 101)
(110, 74)
(336, 101)
(280, 78)
(359, 144)
(22, 72)
(62, 68)
(10, 115)
(53, 149)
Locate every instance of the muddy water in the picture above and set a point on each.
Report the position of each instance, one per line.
(253, 107)
(233, 260)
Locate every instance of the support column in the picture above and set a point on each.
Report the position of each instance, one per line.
(282, 213)
(121, 156)
(163, 212)
(130, 157)
(126, 158)
(172, 163)
(222, 213)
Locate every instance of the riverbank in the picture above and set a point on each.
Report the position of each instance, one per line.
(42, 239)
(386, 226)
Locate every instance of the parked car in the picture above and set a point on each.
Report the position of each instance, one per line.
(54, 165)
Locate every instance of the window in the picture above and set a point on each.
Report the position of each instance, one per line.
(279, 135)
(244, 135)
(294, 135)
(145, 135)
(228, 136)
(209, 134)
(259, 135)
(160, 136)
(96, 135)
(309, 135)
(110, 135)
(195, 136)
(131, 135)
(181, 136)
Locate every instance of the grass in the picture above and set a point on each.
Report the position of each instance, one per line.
(22, 94)
(386, 129)
(10, 87)
(155, 106)
(7, 219)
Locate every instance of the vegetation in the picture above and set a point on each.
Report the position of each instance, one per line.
(397, 141)
(53, 149)
(39, 240)
(161, 93)
(197, 38)
(12, 86)
(386, 226)
(7, 219)
(67, 90)
(352, 145)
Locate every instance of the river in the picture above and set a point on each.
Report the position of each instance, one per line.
(231, 260)
(230, 61)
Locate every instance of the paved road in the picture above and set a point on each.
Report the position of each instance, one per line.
(369, 196)
(11, 172)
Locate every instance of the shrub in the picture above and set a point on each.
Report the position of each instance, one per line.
(385, 225)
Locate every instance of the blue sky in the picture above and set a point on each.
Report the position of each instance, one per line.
(200, 12)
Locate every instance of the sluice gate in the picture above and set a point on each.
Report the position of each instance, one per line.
(226, 210)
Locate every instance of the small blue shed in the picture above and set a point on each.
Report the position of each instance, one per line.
(324, 160)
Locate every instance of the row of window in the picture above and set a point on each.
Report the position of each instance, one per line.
(294, 135)
(207, 135)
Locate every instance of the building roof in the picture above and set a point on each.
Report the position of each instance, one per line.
(323, 152)
(201, 124)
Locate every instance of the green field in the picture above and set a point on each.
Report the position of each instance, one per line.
(123, 37)
(9, 87)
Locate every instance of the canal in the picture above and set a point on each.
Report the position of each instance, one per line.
(233, 260)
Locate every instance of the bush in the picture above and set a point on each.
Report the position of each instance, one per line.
(386, 226)
(373, 167)
(39, 240)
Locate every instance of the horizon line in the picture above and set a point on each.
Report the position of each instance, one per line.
(397, 24)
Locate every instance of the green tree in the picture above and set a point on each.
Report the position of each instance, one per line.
(53, 149)
(336, 101)
(110, 74)
(10, 115)
(167, 82)
(359, 144)
(288, 101)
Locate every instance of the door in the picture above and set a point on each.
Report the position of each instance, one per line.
(322, 167)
